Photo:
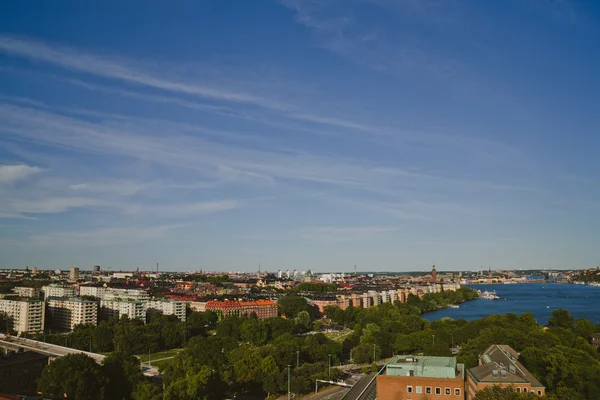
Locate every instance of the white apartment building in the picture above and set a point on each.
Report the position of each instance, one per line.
(134, 309)
(27, 292)
(105, 293)
(58, 291)
(94, 291)
(25, 315)
(68, 312)
(168, 307)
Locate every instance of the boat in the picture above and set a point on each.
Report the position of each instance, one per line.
(488, 295)
(453, 306)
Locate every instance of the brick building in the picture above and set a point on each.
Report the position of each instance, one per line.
(596, 340)
(421, 378)
(19, 371)
(263, 308)
(499, 365)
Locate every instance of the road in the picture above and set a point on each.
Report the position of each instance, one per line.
(60, 351)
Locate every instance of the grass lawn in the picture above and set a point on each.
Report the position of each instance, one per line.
(158, 356)
(338, 336)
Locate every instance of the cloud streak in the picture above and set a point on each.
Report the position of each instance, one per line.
(88, 63)
(14, 173)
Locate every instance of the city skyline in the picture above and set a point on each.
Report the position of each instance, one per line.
(300, 135)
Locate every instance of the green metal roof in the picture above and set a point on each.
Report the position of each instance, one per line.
(423, 366)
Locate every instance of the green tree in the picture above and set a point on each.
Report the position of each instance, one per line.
(290, 306)
(561, 318)
(196, 385)
(303, 319)
(253, 331)
(76, 375)
(123, 375)
(146, 390)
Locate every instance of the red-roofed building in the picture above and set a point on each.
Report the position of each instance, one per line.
(263, 308)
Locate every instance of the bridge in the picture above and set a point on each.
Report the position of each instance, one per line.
(15, 343)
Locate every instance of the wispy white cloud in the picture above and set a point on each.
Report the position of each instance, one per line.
(208, 158)
(338, 234)
(186, 209)
(355, 230)
(268, 110)
(53, 205)
(13, 173)
(116, 69)
(101, 237)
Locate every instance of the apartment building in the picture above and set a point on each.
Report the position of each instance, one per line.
(93, 291)
(134, 309)
(106, 293)
(69, 312)
(74, 273)
(27, 292)
(25, 314)
(168, 307)
(263, 308)
(422, 377)
(499, 365)
(57, 290)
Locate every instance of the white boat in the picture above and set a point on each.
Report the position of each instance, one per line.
(488, 295)
(453, 306)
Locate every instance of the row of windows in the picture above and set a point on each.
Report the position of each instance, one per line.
(429, 390)
(525, 390)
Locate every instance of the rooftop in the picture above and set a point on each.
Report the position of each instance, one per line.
(425, 366)
(72, 299)
(16, 358)
(500, 364)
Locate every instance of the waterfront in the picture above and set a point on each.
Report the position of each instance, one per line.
(537, 298)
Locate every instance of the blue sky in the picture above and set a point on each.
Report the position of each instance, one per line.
(390, 134)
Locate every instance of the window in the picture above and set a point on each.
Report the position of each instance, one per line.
(438, 390)
(428, 390)
(419, 389)
(525, 389)
(540, 392)
(448, 392)
(518, 390)
(409, 389)
(457, 392)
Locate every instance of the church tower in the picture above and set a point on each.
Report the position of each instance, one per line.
(434, 274)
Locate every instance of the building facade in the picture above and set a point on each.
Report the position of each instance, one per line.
(20, 371)
(69, 312)
(596, 340)
(74, 274)
(134, 309)
(27, 292)
(499, 365)
(263, 308)
(25, 315)
(58, 291)
(422, 378)
(168, 307)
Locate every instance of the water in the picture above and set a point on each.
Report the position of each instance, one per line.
(538, 298)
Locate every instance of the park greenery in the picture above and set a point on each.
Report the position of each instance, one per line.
(247, 355)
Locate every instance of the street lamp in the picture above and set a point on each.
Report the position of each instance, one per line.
(373, 352)
(452, 334)
(433, 336)
(288, 367)
(329, 366)
(297, 358)
(350, 354)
